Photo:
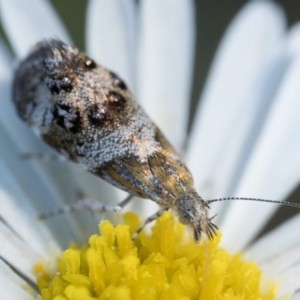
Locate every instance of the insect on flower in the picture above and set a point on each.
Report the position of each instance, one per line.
(87, 114)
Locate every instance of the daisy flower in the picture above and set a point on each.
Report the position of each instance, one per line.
(243, 142)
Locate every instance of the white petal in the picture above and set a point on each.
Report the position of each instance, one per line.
(17, 252)
(274, 167)
(5, 61)
(282, 262)
(17, 210)
(11, 291)
(11, 277)
(278, 255)
(27, 22)
(165, 64)
(296, 296)
(243, 77)
(110, 36)
(294, 40)
(289, 281)
(278, 241)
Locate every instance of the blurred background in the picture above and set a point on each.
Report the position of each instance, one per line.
(212, 19)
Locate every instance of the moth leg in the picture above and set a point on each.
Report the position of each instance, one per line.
(84, 203)
(149, 220)
(123, 203)
(45, 157)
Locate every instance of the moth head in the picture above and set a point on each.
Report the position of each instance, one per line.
(192, 210)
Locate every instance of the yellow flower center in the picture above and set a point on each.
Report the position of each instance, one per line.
(165, 264)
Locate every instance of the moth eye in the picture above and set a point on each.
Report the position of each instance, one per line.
(116, 100)
(99, 116)
(57, 85)
(117, 81)
(90, 64)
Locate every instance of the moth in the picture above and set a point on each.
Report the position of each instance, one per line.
(87, 114)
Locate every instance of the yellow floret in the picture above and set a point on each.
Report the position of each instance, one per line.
(165, 264)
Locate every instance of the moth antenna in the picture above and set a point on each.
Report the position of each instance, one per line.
(297, 205)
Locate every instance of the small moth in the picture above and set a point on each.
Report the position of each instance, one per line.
(87, 114)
